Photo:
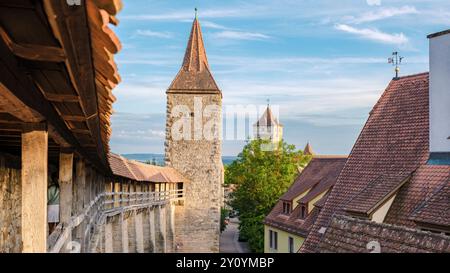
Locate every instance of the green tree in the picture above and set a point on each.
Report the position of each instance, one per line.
(262, 177)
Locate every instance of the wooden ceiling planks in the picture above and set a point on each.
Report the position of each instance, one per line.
(69, 25)
(33, 51)
(103, 43)
(30, 14)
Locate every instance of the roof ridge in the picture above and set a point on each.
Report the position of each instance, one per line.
(396, 227)
(413, 75)
(330, 156)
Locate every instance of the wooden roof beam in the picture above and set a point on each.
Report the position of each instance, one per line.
(8, 118)
(9, 127)
(74, 118)
(80, 131)
(62, 98)
(33, 52)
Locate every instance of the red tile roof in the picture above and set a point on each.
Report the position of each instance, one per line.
(119, 168)
(435, 211)
(427, 181)
(142, 172)
(350, 235)
(317, 177)
(393, 141)
(376, 193)
(319, 204)
(320, 172)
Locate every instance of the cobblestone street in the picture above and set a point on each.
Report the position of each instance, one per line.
(229, 239)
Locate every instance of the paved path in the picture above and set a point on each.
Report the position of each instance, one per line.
(229, 239)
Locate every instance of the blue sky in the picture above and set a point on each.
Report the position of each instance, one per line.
(323, 62)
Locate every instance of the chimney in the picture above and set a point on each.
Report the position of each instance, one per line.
(440, 97)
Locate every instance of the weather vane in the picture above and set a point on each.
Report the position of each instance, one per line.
(195, 13)
(396, 60)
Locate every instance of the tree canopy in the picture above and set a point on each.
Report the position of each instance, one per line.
(261, 178)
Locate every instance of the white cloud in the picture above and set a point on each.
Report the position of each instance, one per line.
(206, 24)
(148, 134)
(382, 13)
(373, 2)
(240, 35)
(209, 24)
(375, 34)
(157, 34)
(189, 15)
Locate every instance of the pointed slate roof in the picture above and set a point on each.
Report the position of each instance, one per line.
(268, 119)
(194, 75)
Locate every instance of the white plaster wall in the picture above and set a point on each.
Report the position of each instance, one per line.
(440, 93)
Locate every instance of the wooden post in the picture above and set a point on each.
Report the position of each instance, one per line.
(34, 187)
(117, 189)
(87, 186)
(80, 183)
(65, 185)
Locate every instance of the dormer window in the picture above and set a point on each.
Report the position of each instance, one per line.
(287, 207)
(303, 212)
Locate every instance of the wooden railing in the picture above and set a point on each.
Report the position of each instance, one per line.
(86, 224)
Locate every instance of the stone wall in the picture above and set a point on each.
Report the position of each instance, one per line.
(197, 224)
(10, 205)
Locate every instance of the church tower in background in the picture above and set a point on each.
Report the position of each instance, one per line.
(268, 127)
(194, 148)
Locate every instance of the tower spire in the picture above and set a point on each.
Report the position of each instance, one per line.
(308, 149)
(194, 73)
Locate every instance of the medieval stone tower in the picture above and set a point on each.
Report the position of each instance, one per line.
(193, 147)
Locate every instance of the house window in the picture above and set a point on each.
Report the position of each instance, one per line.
(286, 207)
(303, 212)
(273, 239)
(291, 244)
